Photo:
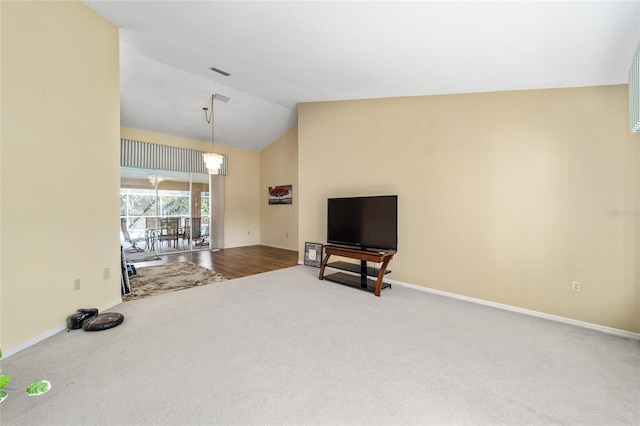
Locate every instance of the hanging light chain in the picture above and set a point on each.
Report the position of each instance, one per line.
(212, 160)
(207, 116)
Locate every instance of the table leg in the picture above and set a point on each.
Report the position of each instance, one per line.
(383, 268)
(324, 263)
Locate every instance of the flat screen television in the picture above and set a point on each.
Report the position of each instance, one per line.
(369, 223)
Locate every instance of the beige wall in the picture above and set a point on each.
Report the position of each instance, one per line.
(241, 202)
(60, 141)
(505, 197)
(279, 166)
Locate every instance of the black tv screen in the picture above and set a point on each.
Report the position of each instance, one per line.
(363, 222)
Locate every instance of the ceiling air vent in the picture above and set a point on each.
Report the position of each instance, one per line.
(219, 71)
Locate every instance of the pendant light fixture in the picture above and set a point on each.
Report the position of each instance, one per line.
(155, 178)
(212, 160)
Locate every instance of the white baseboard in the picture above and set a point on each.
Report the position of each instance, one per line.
(55, 330)
(280, 247)
(610, 330)
(584, 324)
(40, 337)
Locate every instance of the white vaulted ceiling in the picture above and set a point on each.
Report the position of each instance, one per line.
(282, 53)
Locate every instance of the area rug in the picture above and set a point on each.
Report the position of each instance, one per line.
(154, 280)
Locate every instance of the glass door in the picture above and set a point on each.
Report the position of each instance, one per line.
(199, 222)
(174, 209)
(138, 203)
(163, 212)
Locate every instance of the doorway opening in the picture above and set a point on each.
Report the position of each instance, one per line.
(164, 212)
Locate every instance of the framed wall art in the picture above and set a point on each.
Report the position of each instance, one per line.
(282, 194)
(313, 254)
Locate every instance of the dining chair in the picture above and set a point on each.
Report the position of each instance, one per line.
(170, 230)
(127, 237)
(151, 227)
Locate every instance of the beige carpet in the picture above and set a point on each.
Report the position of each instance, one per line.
(284, 348)
(154, 280)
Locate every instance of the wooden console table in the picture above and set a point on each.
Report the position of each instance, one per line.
(364, 256)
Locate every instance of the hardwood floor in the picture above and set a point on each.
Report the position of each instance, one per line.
(234, 262)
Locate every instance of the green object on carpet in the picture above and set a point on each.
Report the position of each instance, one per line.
(154, 280)
(37, 387)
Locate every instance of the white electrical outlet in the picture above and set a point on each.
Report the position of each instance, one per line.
(76, 285)
(106, 273)
(575, 286)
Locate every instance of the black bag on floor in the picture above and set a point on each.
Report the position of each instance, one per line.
(76, 321)
(90, 320)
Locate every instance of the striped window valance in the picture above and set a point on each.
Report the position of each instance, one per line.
(143, 155)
